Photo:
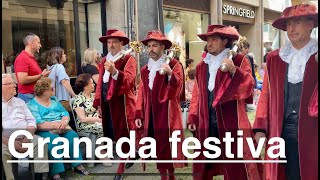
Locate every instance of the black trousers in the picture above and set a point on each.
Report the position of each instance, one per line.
(290, 136)
(108, 127)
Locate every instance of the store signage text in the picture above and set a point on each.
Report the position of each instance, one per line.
(235, 11)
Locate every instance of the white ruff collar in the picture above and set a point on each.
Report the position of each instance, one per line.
(297, 59)
(214, 63)
(153, 67)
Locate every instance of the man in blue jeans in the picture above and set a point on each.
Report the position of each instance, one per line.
(27, 69)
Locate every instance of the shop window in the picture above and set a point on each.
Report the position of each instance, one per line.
(271, 36)
(182, 27)
(52, 33)
(54, 26)
(266, 28)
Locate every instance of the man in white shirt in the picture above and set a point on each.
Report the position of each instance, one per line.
(17, 116)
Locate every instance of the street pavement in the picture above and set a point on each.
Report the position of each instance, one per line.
(99, 172)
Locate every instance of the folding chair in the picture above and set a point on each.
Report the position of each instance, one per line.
(91, 136)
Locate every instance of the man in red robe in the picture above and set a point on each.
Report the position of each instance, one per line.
(158, 105)
(218, 105)
(115, 97)
(289, 82)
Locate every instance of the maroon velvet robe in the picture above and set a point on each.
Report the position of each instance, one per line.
(230, 95)
(164, 104)
(270, 113)
(120, 97)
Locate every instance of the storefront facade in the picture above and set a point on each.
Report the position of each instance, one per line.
(272, 37)
(183, 20)
(71, 24)
(247, 19)
(67, 24)
(252, 18)
(77, 24)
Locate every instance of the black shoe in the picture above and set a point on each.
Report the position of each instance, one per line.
(37, 176)
(118, 177)
(137, 156)
(59, 178)
(82, 171)
(128, 165)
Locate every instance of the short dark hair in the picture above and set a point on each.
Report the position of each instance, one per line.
(192, 73)
(189, 61)
(229, 43)
(268, 49)
(82, 81)
(28, 38)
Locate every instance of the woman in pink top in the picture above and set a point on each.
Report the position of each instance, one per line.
(190, 83)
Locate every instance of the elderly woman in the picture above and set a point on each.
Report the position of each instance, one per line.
(53, 122)
(88, 119)
(87, 116)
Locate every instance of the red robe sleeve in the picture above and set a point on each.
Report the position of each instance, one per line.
(97, 97)
(174, 88)
(125, 81)
(193, 117)
(139, 113)
(236, 87)
(262, 115)
(313, 106)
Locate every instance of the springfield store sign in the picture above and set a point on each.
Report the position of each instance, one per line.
(235, 11)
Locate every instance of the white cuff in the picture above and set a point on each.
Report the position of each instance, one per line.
(115, 77)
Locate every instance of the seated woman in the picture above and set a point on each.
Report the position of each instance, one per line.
(88, 119)
(53, 122)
